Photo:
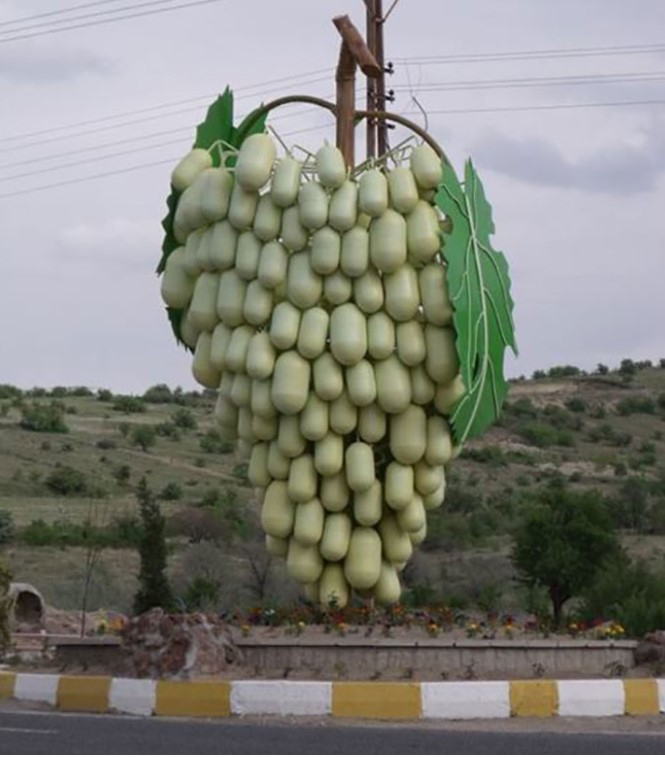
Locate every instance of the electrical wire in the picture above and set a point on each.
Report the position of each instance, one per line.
(173, 103)
(561, 52)
(43, 32)
(97, 148)
(546, 106)
(62, 11)
(545, 81)
(129, 169)
(96, 14)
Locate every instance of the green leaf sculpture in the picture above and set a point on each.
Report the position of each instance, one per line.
(479, 289)
(216, 128)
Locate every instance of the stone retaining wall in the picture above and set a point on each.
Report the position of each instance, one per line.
(438, 660)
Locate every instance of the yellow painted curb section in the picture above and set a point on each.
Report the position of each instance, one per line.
(84, 693)
(376, 700)
(7, 685)
(641, 697)
(195, 699)
(533, 699)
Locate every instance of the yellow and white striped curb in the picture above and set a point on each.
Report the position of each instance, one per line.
(463, 700)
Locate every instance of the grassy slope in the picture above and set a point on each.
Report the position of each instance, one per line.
(512, 466)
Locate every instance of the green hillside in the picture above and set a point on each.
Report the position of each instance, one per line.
(70, 459)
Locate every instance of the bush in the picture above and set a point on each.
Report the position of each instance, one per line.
(127, 403)
(491, 455)
(158, 394)
(185, 419)
(66, 481)
(630, 405)
(7, 528)
(168, 430)
(122, 473)
(9, 392)
(44, 418)
(154, 589)
(577, 405)
(171, 492)
(106, 444)
(104, 395)
(144, 437)
(541, 434)
(559, 371)
(212, 443)
(628, 593)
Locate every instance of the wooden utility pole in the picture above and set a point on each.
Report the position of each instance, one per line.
(353, 52)
(377, 130)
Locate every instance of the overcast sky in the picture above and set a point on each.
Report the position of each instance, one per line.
(578, 192)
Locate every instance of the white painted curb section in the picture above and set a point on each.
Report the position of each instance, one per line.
(591, 698)
(465, 700)
(36, 687)
(134, 696)
(281, 698)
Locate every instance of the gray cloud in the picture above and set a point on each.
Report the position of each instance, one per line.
(45, 66)
(621, 169)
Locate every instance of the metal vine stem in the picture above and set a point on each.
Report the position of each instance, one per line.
(358, 114)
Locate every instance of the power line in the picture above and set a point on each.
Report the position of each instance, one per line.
(56, 13)
(97, 148)
(111, 117)
(108, 20)
(561, 52)
(545, 106)
(129, 169)
(447, 111)
(96, 14)
(544, 81)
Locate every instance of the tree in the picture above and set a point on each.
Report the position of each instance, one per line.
(6, 603)
(562, 541)
(7, 527)
(144, 437)
(602, 369)
(154, 589)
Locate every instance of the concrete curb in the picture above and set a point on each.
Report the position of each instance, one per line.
(463, 700)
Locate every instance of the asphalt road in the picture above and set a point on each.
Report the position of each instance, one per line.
(62, 733)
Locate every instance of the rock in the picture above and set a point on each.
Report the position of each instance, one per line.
(164, 645)
(651, 649)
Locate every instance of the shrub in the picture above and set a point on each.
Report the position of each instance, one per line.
(127, 403)
(630, 405)
(577, 404)
(122, 473)
(168, 430)
(158, 394)
(172, 491)
(627, 367)
(491, 455)
(5, 606)
(144, 437)
(538, 434)
(104, 395)
(7, 527)
(66, 481)
(559, 371)
(628, 593)
(185, 419)
(106, 444)
(211, 442)
(44, 418)
(9, 392)
(154, 589)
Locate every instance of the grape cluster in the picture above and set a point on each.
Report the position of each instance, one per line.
(318, 307)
